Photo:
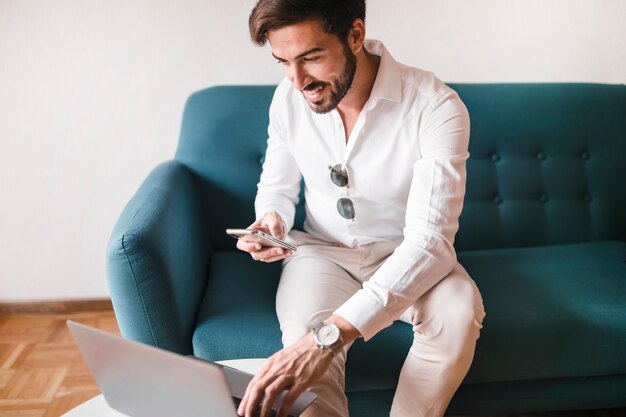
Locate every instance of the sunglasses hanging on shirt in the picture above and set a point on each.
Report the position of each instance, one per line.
(339, 177)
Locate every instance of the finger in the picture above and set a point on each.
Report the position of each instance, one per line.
(248, 245)
(270, 223)
(242, 410)
(276, 228)
(254, 392)
(256, 396)
(260, 224)
(256, 223)
(288, 402)
(268, 252)
(276, 258)
(271, 393)
(244, 400)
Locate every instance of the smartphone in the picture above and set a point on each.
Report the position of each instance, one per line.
(268, 240)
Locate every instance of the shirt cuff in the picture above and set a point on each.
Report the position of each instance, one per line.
(365, 313)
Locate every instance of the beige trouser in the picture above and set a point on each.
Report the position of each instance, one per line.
(446, 321)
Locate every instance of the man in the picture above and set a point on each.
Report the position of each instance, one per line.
(382, 150)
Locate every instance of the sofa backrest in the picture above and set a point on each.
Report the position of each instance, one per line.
(547, 161)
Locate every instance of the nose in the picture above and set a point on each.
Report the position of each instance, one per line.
(298, 76)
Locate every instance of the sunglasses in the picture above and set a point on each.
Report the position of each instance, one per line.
(339, 177)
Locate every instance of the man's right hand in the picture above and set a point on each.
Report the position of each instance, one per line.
(272, 224)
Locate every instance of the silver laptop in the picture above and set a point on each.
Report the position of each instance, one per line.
(144, 381)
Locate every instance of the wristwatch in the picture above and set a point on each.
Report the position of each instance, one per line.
(327, 336)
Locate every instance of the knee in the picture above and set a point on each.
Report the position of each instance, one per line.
(452, 319)
(463, 310)
(462, 325)
(295, 324)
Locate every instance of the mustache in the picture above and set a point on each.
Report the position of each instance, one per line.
(314, 85)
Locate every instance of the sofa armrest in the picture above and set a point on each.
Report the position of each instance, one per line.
(157, 260)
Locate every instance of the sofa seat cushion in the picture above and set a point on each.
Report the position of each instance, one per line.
(552, 312)
(237, 317)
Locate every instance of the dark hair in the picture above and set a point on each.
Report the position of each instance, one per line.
(336, 16)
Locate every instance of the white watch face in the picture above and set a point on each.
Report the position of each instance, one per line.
(328, 334)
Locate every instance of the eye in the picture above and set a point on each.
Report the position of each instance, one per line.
(311, 59)
(281, 61)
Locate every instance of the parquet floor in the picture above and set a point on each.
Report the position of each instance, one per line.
(41, 371)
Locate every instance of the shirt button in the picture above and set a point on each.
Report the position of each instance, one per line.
(495, 157)
(584, 156)
(544, 199)
(541, 156)
(497, 199)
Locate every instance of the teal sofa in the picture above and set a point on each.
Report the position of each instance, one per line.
(543, 233)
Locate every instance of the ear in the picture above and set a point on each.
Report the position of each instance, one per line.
(356, 36)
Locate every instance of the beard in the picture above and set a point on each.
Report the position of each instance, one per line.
(340, 88)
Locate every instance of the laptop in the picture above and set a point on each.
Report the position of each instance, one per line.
(144, 381)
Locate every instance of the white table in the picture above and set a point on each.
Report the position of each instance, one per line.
(98, 407)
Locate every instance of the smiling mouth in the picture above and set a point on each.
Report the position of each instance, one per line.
(313, 93)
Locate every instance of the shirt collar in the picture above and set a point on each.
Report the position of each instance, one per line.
(388, 84)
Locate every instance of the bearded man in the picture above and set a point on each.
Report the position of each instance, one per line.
(381, 148)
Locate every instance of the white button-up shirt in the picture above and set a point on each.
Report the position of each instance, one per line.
(406, 165)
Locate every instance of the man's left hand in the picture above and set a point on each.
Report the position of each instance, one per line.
(294, 369)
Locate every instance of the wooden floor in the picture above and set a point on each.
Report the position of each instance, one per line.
(43, 375)
(41, 371)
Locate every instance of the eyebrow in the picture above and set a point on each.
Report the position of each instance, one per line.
(305, 53)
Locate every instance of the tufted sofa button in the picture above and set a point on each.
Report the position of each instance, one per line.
(587, 198)
(544, 199)
(495, 157)
(497, 199)
(541, 156)
(262, 160)
(584, 156)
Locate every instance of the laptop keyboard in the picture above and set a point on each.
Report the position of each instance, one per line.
(272, 413)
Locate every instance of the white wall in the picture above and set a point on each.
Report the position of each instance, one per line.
(91, 95)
